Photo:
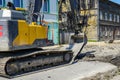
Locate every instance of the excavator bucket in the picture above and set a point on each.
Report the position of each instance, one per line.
(76, 44)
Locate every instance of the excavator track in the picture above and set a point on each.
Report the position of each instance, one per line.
(26, 61)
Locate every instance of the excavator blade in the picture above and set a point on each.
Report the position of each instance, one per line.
(76, 47)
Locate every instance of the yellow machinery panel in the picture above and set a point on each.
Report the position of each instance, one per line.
(23, 34)
(28, 33)
(32, 30)
(41, 32)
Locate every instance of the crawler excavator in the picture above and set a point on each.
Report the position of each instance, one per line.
(21, 38)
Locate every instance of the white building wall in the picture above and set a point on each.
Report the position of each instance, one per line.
(52, 15)
(53, 7)
(25, 3)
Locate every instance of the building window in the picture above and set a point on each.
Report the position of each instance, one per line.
(114, 18)
(83, 4)
(6, 2)
(110, 17)
(16, 3)
(118, 18)
(106, 16)
(0, 2)
(91, 4)
(101, 15)
(46, 6)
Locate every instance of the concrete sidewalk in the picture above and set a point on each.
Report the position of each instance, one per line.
(78, 71)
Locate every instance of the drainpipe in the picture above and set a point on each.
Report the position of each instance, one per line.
(98, 24)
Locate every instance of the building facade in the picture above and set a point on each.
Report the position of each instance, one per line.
(109, 20)
(50, 12)
(103, 19)
(17, 3)
(51, 16)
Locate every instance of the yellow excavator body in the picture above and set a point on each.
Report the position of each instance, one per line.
(29, 33)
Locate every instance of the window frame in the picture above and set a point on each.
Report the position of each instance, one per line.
(47, 6)
(101, 15)
(110, 17)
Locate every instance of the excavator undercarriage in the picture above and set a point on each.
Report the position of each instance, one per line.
(32, 60)
(22, 62)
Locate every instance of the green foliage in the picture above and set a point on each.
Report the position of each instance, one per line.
(92, 40)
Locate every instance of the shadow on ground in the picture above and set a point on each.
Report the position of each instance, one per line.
(87, 54)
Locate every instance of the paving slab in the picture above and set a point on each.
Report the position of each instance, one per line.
(92, 70)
